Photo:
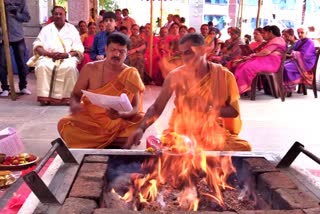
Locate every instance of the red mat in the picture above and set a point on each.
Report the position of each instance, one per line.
(16, 202)
(315, 172)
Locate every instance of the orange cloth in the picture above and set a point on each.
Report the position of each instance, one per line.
(92, 128)
(196, 111)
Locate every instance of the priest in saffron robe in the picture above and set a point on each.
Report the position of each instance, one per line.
(91, 126)
(206, 102)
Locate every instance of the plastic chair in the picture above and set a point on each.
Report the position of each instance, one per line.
(302, 86)
(275, 81)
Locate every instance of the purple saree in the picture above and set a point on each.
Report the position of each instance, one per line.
(297, 69)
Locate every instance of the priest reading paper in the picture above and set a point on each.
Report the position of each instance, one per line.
(106, 102)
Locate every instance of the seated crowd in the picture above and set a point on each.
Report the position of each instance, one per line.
(244, 58)
(116, 59)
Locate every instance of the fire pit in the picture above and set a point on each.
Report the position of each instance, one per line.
(258, 185)
(125, 181)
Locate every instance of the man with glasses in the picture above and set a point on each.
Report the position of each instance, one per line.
(206, 102)
(91, 126)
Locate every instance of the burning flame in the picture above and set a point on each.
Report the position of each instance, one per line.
(183, 164)
(184, 172)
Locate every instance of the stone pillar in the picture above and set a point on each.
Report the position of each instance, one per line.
(78, 10)
(196, 13)
(32, 28)
(233, 13)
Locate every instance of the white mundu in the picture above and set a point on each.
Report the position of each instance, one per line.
(66, 74)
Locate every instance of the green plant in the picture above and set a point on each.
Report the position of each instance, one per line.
(108, 5)
(61, 2)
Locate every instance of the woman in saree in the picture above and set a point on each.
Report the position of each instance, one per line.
(254, 47)
(268, 59)
(171, 59)
(258, 42)
(153, 73)
(231, 49)
(299, 63)
(83, 29)
(290, 38)
(87, 41)
(136, 51)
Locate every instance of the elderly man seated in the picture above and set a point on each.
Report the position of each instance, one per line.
(57, 49)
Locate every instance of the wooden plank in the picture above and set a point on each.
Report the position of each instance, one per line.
(7, 49)
(60, 185)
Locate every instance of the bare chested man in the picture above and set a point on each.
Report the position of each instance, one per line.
(206, 101)
(90, 126)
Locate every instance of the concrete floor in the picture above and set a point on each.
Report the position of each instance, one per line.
(268, 124)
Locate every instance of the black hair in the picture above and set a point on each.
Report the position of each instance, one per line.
(195, 38)
(141, 28)
(183, 27)
(259, 29)
(92, 23)
(109, 15)
(182, 20)
(102, 12)
(56, 7)
(123, 28)
(125, 9)
(273, 29)
(82, 21)
(248, 38)
(174, 23)
(118, 38)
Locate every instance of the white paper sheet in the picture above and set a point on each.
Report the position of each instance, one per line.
(119, 103)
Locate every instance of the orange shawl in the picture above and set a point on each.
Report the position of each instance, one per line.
(92, 128)
(196, 112)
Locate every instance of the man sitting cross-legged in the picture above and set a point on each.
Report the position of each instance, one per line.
(91, 126)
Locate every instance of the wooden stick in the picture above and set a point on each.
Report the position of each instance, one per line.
(151, 39)
(241, 16)
(161, 14)
(258, 14)
(52, 81)
(7, 49)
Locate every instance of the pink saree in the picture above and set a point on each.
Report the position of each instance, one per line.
(248, 70)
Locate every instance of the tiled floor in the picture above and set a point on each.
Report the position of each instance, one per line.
(268, 124)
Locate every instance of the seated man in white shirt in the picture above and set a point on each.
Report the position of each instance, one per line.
(58, 49)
